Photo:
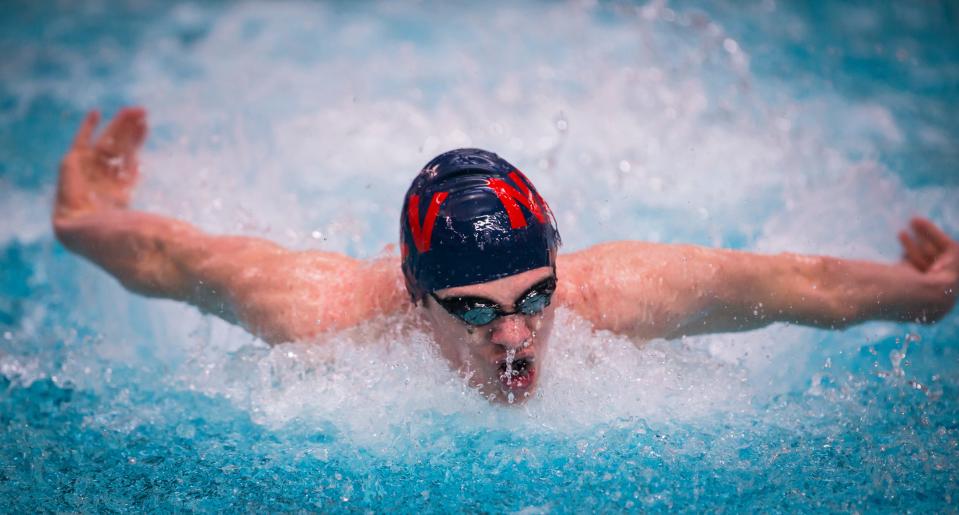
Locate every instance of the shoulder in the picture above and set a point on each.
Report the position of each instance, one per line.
(633, 287)
(606, 261)
(315, 292)
(600, 281)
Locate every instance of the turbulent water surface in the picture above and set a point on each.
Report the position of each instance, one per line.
(756, 125)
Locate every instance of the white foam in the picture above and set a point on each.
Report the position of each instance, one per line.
(375, 388)
(299, 125)
(26, 215)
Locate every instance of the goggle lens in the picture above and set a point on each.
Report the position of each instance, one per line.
(479, 316)
(475, 311)
(535, 304)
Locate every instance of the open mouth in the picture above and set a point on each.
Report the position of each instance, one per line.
(518, 373)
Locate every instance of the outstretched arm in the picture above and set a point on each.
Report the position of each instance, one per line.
(650, 290)
(275, 293)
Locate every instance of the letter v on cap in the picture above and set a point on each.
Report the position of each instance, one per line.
(422, 233)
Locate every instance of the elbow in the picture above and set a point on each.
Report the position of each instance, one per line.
(828, 300)
(817, 311)
(143, 283)
(839, 313)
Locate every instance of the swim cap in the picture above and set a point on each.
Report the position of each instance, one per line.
(470, 217)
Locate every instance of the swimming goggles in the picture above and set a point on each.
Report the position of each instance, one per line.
(480, 311)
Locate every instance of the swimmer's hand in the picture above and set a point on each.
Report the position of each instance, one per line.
(99, 172)
(931, 252)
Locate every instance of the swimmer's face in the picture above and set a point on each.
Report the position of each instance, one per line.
(503, 357)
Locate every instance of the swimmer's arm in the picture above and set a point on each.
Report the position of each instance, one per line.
(819, 291)
(648, 290)
(275, 293)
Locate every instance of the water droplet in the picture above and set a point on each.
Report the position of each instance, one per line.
(731, 45)
(624, 166)
(185, 430)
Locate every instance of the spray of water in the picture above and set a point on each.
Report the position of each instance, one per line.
(301, 124)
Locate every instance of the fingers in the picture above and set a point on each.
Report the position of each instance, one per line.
(912, 253)
(84, 137)
(125, 133)
(931, 233)
(926, 245)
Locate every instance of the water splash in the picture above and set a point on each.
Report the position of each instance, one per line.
(639, 123)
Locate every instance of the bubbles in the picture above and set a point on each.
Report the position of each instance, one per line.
(265, 128)
(730, 45)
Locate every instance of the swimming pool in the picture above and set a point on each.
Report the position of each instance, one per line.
(757, 126)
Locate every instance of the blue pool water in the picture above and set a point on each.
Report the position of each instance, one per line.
(763, 126)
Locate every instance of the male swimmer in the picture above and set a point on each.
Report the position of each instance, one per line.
(479, 263)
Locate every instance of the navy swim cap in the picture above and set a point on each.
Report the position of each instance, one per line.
(470, 217)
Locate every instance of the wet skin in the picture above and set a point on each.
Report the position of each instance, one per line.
(637, 289)
(486, 354)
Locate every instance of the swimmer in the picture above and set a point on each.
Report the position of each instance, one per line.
(479, 267)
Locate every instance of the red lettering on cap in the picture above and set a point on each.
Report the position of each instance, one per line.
(423, 233)
(509, 197)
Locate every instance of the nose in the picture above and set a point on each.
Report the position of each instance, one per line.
(511, 332)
